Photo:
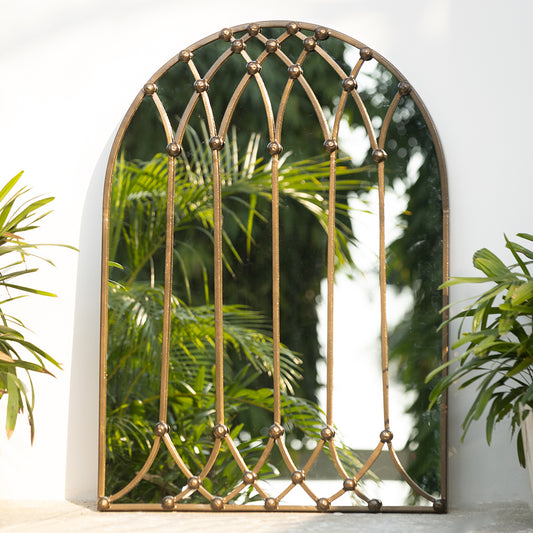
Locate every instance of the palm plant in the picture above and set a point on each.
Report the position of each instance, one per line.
(17, 216)
(137, 239)
(499, 344)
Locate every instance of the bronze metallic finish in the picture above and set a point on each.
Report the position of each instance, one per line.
(271, 46)
(276, 431)
(185, 56)
(311, 38)
(150, 88)
(271, 504)
(349, 84)
(253, 29)
(321, 33)
(238, 46)
(167, 503)
(226, 34)
(348, 484)
(366, 54)
(375, 506)
(295, 71)
(323, 505)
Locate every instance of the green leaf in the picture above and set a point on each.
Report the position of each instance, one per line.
(489, 263)
(13, 400)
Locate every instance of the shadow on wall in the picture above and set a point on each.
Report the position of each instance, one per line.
(82, 432)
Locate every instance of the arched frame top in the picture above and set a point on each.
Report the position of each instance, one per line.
(217, 139)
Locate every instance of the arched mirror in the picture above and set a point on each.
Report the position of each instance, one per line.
(275, 233)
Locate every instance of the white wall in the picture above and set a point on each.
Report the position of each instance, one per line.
(68, 72)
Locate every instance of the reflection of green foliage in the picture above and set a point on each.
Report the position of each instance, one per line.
(300, 236)
(414, 262)
(137, 240)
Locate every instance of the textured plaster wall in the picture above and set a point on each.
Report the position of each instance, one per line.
(68, 72)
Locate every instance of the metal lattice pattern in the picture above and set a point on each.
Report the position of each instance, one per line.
(237, 39)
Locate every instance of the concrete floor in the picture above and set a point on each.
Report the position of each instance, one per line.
(58, 517)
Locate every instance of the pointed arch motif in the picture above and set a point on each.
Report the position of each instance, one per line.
(270, 39)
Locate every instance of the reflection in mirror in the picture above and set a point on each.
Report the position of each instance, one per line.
(246, 334)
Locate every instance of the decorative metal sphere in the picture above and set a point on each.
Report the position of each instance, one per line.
(310, 44)
(161, 427)
(274, 148)
(217, 503)
(366, 54)
(271, 504)
(103, 504)
(253, 67)
(276, 430)
(439, 506)
(168, 503)
(201, 86)
(298, 476)
(374, 506)
(349, 84)
(379, 155)
(253, 29)
(271, 46)
(293, 28)
(225, 34)
(220, 431)
(194, 482)
(295, 71)
(185, 56)
(322, 33)
(404, 88)
(150, 88)
(216, 143)
(348, 484)
(330, 145)
(173, 150)
(249, 477)
(323, 504)
(238, 46)
(386, 436)
(327, 433)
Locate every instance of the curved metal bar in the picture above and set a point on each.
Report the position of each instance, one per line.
(287, 459)
(264, 456)
(336, 461)
(235, 453)
(337, 495)
(212, 458)
(176, 456)
(369, 462)
(314, 455)
(232, 104)
(387, 120)
(406, 476)
(164, 117)
(140, 474)
(234, 492)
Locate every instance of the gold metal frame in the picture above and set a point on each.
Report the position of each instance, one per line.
(310, 43)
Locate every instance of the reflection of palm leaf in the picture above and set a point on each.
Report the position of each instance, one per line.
(137, 241)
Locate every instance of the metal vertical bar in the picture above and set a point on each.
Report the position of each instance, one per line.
(331, 284)
(275, 290)
(219, 328)
(167, 301)
(383, 294)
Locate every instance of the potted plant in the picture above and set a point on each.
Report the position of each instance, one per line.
(498, 359)
(17, 355)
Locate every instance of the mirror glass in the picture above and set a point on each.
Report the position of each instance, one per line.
(281, 83)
